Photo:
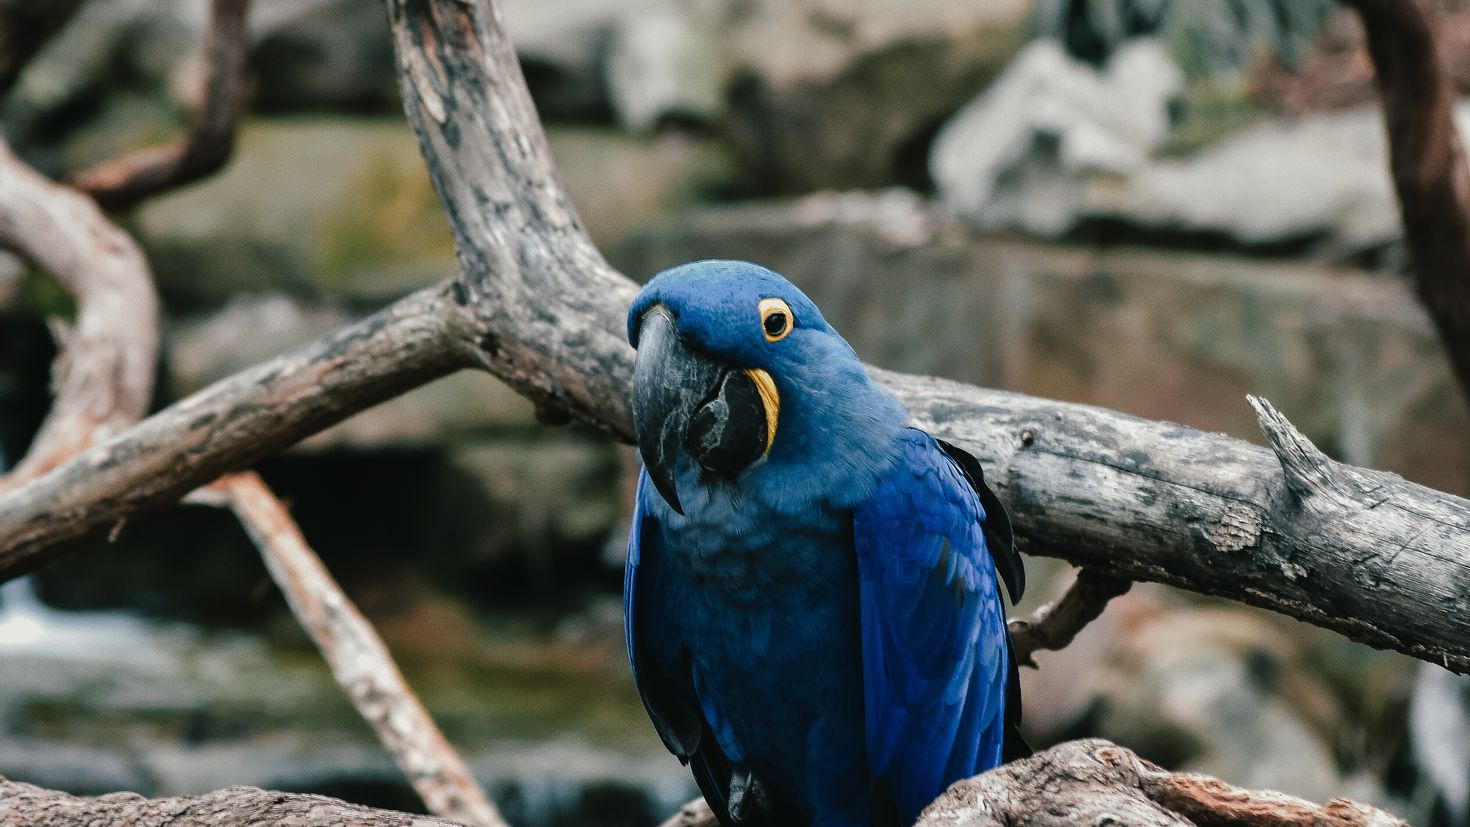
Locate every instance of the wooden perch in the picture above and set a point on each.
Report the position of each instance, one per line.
(102, 380)
(1097, 782)
(1381, 560)
(1054, 625)
(1427, 159)
(1079, 782)
(24, 805)
(357, 656)
(123, 182)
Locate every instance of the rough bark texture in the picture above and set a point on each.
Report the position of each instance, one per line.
(23, 805)
(1136, 499)
(1079, 782)
(1427, 159)
(1362, 552)
(1095, 782)
(123, 182)
(230, 425)
(26, 26)
(550, 308)
(103, 378)
(1054, 625)
(359, 660)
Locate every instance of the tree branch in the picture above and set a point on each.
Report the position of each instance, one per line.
(1097, 782)
(1079, 782)
(123, 182)
(1427, 160)
(357, 656)
(232, 424)
(1053, 626)
(1364, 553)
(102, 380)
(24, 805)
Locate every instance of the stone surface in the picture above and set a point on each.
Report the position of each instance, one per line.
(1019, 153)
(1349, 356)
(342, 208)
(1204, 38)
(322, 55)
(1045, 151)
(847, 94)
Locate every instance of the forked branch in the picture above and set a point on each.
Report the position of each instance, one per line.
(102, 379)
(1382, 562)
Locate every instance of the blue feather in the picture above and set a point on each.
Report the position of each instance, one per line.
(829, 620)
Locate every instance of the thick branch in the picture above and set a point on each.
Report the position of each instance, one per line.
(357, 656)
(123, 182)
(1370, 555)
(232, 424)
(1054, 625)
(1096, 782)
(1427, 159)
(24, 805)
(103, 378)
(1080, 782)
(26, 26)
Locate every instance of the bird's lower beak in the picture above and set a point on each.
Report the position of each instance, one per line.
(685, 402)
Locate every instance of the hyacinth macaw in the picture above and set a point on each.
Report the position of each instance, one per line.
(811, 598)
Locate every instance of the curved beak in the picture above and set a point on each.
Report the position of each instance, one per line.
(684, 401)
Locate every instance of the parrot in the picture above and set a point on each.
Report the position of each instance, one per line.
(811, 594)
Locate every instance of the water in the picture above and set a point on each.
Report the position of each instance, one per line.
(100, 701)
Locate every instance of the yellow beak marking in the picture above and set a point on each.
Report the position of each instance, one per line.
(770, 401)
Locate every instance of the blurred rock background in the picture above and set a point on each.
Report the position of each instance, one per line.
(1150, 205)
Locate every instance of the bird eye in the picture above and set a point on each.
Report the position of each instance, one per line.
(776, 319)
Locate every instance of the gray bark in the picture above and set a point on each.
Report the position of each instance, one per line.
(1362, 552)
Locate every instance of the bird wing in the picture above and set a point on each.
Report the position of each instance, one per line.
(936, 654)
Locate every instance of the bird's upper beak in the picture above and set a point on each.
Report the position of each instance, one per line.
(685, 401)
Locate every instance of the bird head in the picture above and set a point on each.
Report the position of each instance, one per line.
(736, 367)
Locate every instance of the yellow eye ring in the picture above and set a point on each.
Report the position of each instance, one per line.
(776, 319)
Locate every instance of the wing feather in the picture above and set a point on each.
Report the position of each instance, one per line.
(935, 647)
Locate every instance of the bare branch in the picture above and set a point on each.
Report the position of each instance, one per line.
(123, 182)
(24, 805)
(232, 424)
(1054, 625)
(358, 659)
(1080, 782)
(26, 26)
(1097, 782)
(1427, 160)
(103, 378)
(1380, 561)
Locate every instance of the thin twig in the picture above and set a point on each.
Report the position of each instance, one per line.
(1054, 625)
(103, 378)
(357, 657)
(122, 182)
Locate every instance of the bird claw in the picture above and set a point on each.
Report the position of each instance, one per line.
(747, 795)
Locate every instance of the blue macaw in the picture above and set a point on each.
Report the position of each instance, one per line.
(811, 600)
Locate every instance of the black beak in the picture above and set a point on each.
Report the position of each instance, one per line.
(686, 402)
